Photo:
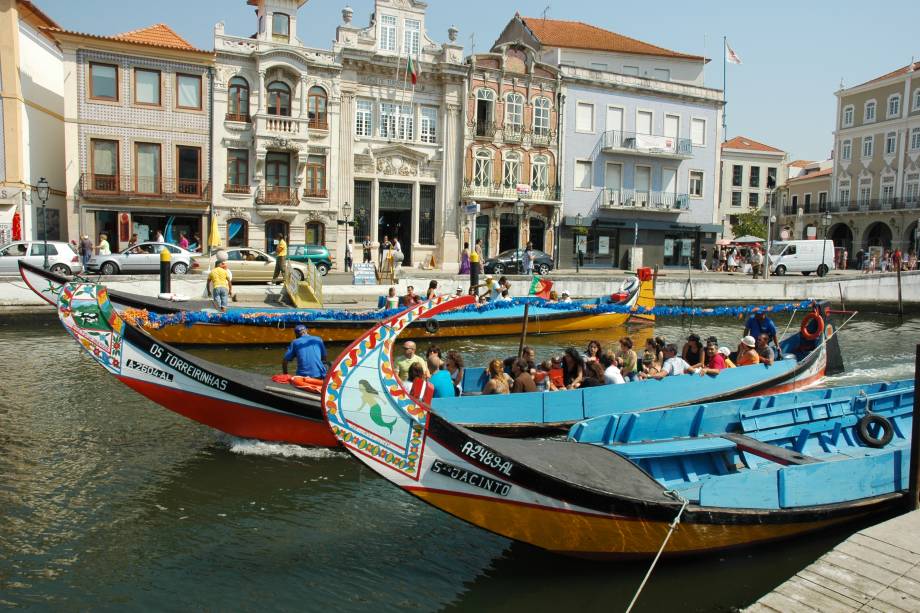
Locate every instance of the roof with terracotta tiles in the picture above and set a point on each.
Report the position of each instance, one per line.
(812, 175)
(35, 15)
(158, 35)
(744, 143)
(894, 73)
(801, 163)
(578, 35)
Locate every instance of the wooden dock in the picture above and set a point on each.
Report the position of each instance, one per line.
(877, 569)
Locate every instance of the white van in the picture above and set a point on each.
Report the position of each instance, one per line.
(805, 257)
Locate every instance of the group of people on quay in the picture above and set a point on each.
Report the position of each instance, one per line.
(884, 260)
(750, 260)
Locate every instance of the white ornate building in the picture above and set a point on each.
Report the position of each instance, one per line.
(303, 136)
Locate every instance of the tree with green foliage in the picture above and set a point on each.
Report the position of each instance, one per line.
(750, 224)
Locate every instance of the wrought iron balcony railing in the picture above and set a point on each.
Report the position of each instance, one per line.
(667, 202)
(284, 196)
(647, 144)
(98, 186)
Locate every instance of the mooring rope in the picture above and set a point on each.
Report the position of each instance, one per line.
(667, 537)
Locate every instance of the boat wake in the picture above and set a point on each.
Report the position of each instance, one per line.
(898, 369)
(244, 446)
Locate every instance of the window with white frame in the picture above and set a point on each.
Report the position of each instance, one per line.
(848, 116)
(891, 143)
(411, 30)
(886, 192)
(511, 172)
(514, 109)
(696, 183)
(662, 74)
(736, 198)
(539, 173)
(915, 139)
(843, 192)
(364, 114)
(865, 192)
(846, 149)
(632, 71)
(868, 146)
(405, 123)
(541, 116)
(584, 117)
(869, 111)
(482, 169)
(698, 132)
(388, 113)
(894, 106)
(644, 122)
(583, 169)
(428, 130)
(917, 99)
(912, 187)
(388, 32)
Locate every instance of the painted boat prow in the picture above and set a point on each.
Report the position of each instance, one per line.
(566, 497)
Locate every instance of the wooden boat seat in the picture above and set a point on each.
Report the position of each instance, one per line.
(774, 453)
(672, 447)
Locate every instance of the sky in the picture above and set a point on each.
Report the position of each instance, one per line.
(794, 54)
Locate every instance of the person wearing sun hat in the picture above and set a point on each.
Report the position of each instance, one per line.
(747, 354)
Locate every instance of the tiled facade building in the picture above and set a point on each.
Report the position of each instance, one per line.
(136, 135)
(511, 152)
(750, 174)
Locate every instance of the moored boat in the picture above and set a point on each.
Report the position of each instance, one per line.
(196, 323)
(733, 473)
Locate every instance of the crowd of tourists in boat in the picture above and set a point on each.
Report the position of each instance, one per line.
(490, 290)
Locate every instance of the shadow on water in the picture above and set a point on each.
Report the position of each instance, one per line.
(108, 501)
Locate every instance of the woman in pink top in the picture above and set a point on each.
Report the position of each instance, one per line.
(183, 242)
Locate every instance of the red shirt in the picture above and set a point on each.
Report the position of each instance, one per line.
(716, 362)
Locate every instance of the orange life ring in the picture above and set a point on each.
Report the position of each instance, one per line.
(808, 334)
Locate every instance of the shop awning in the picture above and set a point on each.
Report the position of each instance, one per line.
(654, 224)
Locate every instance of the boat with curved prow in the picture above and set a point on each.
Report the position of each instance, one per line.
(734, 473)
(197, 323)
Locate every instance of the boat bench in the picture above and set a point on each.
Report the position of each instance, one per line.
(712, 444)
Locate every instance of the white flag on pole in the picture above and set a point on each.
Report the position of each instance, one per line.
(730, 56)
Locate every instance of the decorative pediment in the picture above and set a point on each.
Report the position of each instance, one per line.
(397, 165)
(400, 150)
(238, 213)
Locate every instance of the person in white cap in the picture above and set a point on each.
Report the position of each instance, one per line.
(726, 353)
(564, 296)
(459, 291)
(747, 354)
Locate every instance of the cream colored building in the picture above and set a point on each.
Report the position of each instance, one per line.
(875, 189)
(31, 122)
(804, 200)
(750, 174)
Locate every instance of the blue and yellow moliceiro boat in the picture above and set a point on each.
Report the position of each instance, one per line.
(733, 474)
(196, 323)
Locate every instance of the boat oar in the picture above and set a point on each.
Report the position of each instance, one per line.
(524, 330)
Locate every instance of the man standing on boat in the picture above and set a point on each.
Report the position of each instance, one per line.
(310, 353)
(758, 324)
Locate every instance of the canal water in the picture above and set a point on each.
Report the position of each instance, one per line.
(109, 502)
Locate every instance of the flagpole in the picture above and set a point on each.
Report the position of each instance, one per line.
(724, 99)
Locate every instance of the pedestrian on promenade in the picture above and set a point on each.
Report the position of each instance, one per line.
(397, 254)
(183, 241)
(732, 263)
(846, 256)
(280, 257)
(86, 250)
(366, 245)
(723, 259)
(349, 250)
(703, 255)
(896, 259)
(384, 246)
(860, 256)
(475, 263)
(103, 247)
(528, 259)
(158, 237)
(756, 262)
(220, 285)
(465, 259)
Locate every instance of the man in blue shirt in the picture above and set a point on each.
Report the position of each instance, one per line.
(310, 353)
(759, 324)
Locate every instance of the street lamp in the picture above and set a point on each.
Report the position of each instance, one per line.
(43, 190)
(346, 212)
(825, 223)
(519, 211)
(578, 220)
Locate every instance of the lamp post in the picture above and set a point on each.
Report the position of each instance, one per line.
(519, 211)
(578, 220)
(825, 223)
(346, 212)
(43, 190)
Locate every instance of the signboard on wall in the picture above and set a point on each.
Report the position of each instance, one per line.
(603, 245)
(364, 274)
(471, 208)
(685, 247)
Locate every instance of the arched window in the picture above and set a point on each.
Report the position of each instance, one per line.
(237, 233)
(539, 173)
(272, 229)
(514, 109)
(511, 175)
(482, 169)
(279, 99)
(316, 108)
(485, 105)
(316, 233)
(541, 116)
(238, 100)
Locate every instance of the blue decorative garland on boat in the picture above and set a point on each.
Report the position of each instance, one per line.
(280, 318)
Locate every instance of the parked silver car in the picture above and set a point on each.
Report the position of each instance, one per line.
(62, 259)
(142, 258)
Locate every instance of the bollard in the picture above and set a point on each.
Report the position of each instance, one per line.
(165, 265)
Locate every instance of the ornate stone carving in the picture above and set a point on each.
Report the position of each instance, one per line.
(347, 14)
(238, 213)
(397, 165)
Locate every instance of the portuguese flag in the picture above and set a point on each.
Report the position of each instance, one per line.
(412, 69)
(540, 287)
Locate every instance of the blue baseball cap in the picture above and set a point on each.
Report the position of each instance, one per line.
(300, 329)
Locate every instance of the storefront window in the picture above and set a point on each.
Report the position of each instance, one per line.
(679, 248)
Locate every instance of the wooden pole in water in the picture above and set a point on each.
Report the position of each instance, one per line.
(914, 484)
(843, 306)
(900, 305)
(523, 331)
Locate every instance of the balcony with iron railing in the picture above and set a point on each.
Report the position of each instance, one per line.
(483, 130)
(855, 206)
(231, 188)
(654, 145)
(541, 137)
(281, 196)
(549, 193)
(126, 187)
(630, 199)
(318, 123)
(238, 117)
(315, 192)
(512, 133)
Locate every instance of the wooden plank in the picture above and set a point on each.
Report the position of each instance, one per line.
(775, 453)
(895, 600)
(880, 575)
(779, 602)
(841, 583)
(855, 579)
(893, 531)
(908, 586)
(813, 595)
(874, 557)
(886, 548)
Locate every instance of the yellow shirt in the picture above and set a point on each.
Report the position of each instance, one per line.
(474, 256)
(282, 249)
(219, 278)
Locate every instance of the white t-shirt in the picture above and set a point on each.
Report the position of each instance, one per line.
(675, 366)
(613, 375)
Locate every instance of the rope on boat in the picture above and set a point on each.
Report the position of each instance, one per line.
(684, 502)
(788, 325)
(261, 318)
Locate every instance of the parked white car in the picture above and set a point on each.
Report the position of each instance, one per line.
(62, 259)
(142, 258)
(805, 257)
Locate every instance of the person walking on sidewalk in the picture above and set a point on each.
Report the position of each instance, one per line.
(475, 263)
(349, 251)
(280, 257)
(527, 259)
(366, 246)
